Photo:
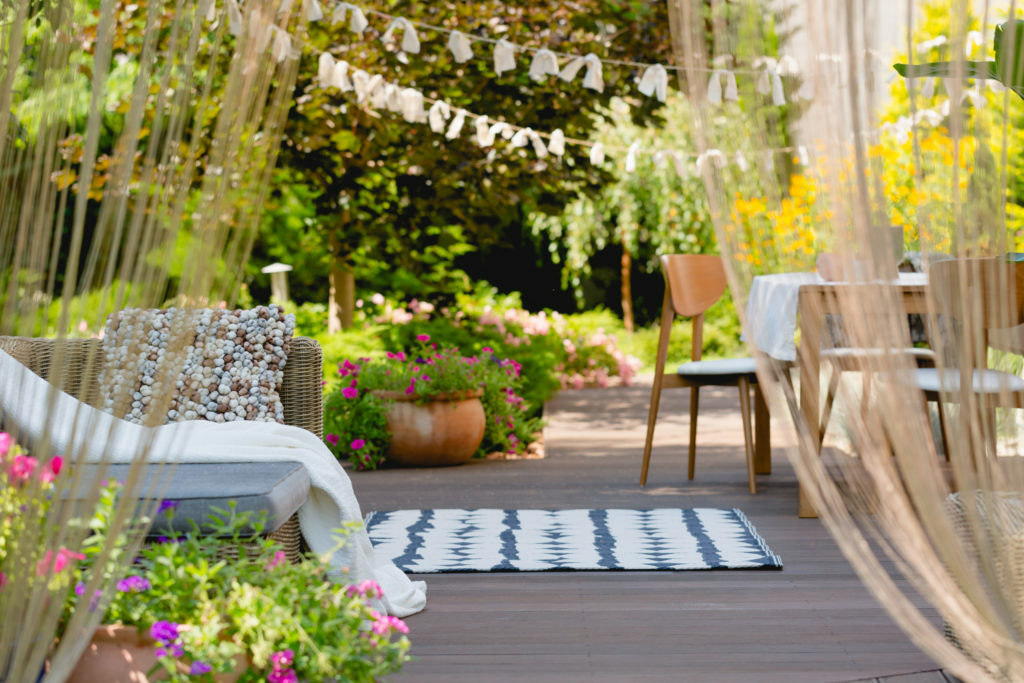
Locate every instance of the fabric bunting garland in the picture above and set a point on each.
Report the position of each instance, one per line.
(458, 122)
(484, 136)
(544, 64)
(715, 93)
(313, 11)
(460, 48)
(438, 115)
(410, 41)
(504, 56)
(357, 20)
(597, 154)
(654, 82)
(556, 143)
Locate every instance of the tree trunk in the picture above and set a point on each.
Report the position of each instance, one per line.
(627, 285)
(342, 297)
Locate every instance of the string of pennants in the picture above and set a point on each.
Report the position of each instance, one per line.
(374, 91)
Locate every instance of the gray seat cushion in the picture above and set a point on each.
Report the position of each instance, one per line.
(719, 368)
(280, 488)
(985, 381)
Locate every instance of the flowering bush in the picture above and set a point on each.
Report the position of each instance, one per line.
(26, 492)
(207, 614)
(354, 415)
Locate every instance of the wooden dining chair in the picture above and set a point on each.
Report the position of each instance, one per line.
(693, 283)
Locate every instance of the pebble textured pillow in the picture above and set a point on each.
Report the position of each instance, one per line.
(232, 368)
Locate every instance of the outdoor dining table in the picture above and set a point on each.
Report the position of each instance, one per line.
(778, 302)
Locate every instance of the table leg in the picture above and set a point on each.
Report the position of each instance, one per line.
(762, 434)
(812, 318)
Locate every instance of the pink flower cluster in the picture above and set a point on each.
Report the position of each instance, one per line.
(383, 624)
(282, 671)
(368, 589)
(280, 558)
(56, 562)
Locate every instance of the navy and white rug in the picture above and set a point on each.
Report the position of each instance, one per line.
(487, 540)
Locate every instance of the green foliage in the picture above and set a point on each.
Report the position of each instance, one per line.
(391, 197)
(202, 607)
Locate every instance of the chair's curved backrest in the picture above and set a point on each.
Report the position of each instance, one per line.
(695, 281)
(991, 288)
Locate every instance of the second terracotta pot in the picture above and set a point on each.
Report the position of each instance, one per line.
(447, 430)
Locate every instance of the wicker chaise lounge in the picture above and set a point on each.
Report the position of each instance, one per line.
(278, 488)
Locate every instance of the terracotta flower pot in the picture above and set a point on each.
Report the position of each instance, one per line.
(447, 430)
(120, 654)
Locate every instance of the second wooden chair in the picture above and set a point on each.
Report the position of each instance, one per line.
(693, 283)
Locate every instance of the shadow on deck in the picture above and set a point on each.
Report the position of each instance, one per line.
(813, 621)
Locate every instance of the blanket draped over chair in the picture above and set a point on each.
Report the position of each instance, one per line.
(37, 411)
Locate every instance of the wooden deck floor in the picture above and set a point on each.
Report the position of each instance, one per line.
(813, 621)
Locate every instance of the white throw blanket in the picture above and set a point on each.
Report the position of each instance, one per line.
(75, 429)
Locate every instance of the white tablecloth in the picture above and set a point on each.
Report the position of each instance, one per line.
(771, 309)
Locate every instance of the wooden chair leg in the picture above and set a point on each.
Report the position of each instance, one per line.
(942, 429)
(748, 437)
(694, 410)
(762, 433)
(830, 397)
(667, 316)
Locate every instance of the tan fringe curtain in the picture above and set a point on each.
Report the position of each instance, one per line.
(136, 146)
(940, 542)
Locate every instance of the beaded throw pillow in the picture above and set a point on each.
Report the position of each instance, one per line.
(231, 363)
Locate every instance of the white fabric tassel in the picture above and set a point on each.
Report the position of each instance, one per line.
(500, 129)
(569, 71)
(410, 41)
(788, 66)
(544, 64)
(715, 87)
(732, 92)
(521, 137)
(484, 137)
(778, 96)
(375, 86)
(654, 82)
(741, 161)
(504, 56)
(597, 154)
(556, 145)
(339, 79)
(211, 11)
(412, 106)
(439, 114)
(460, 48)
(313, 11)
(594, 79)
(806, 91)
(539, 147)
(282, 45)
(357, 22)
(928, 88)
(458, 122)
(386, 97)
(631, 157)
(360, 79)
(234, 18)
(805, 159)
(325, 70)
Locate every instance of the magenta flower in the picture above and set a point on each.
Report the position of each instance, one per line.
(199, 668)
(357, 444)
(165, 632)
(3, 581)
(5, 443)
(487, 349)
(279, 559)
(23, 467)
(133, 584)
(332, 439)
(423, 337)
(349, 392)
(53, 469)
(283, 658)
(365, 588)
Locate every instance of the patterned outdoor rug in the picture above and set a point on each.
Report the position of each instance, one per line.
(486, 540)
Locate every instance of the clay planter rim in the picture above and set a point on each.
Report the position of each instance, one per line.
(445, 396)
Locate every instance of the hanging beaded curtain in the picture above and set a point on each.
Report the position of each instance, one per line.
(136, 146)
(891, 173)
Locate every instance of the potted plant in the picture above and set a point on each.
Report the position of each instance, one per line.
(227, 607)
(428, 406)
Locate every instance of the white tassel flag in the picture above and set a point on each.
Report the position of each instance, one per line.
(458, 122)
(339, 79)
(484, 138)
(521, 137)
(597, 154)
(412, 106)
(460, 48)
(631, 157)
(234, 18)
(357, 22)
(654, 82)
(556, 145)
(325, 70)
(594, 79)
(504, 56)
(569, 71)
(538, 145)
(715, 87)
(438, 115)
(410, 41)
(282, 45)
(732, 92)
(313, 11)
(544, 64)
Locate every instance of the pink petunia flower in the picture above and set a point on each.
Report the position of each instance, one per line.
(57, 562)
(23, 467)
(423, 337)
(5, 443)
(332, 439)
(350, 392)
(357, 444)
(279, 559)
